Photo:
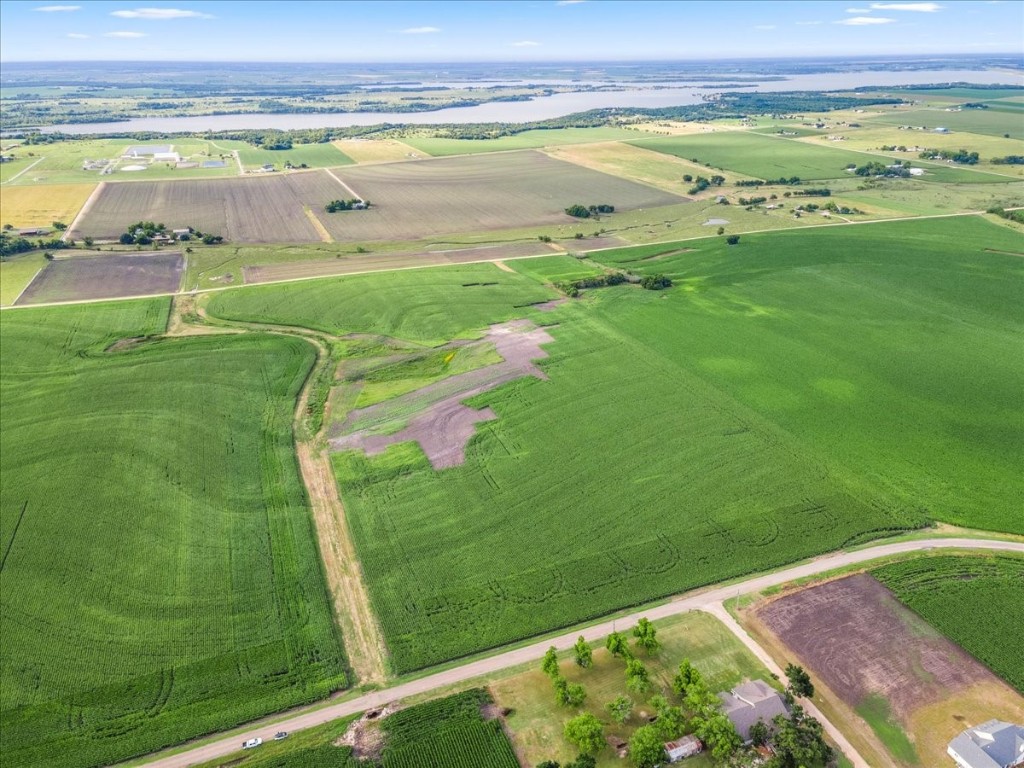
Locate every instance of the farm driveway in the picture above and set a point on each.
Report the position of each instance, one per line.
(701, 600)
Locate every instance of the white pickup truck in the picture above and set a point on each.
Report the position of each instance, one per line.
(252, 743)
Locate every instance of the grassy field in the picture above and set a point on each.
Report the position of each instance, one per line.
(15, 274)
(991, 121)
(947, 590)
(314, 155)
(160, 567)
(364, 151)
(735, 462)
(41, 206)
(429, 306)
(767, 157)
(538, 722)
(438, 147)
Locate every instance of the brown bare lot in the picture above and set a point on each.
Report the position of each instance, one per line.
(861, 641)
(105, 277)
(264, 273)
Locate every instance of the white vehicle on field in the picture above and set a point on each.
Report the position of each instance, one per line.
(252, 743)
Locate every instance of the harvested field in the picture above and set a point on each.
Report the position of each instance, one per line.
(862, 642)
(41, 206)
(444, 425)
(465, 194)
(366, 151)
(265, 273)
(410, 200)
(105, 277)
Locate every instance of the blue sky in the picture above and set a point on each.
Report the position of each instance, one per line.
(526, 30)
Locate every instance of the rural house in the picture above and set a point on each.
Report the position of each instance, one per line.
(994, 744)
(682, 748)
(755, 700)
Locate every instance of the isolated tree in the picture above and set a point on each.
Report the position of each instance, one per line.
(646, 749)
(645, 633)
(721, 230)
(60, 226)
(799, 681)
(732, 239)
(637, 677)
(718, 180)
(617, 646)
(687, 675)
(87, 242)
(584, 656)
(620, 708)
(549, 664)
(586, 732)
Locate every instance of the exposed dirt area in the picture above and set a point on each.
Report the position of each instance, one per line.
(356, 263)
(81, 278)
(861, 641)
(434, 416)
(549, 306)
(365, 736)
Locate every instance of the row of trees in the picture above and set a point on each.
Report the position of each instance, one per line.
(586, 211)
(346, 205)
(961, 156)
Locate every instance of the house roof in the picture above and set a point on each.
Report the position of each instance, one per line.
(755, 700)
(994, 744)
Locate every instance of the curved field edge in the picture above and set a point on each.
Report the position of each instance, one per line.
(161, 575)
(975, 601)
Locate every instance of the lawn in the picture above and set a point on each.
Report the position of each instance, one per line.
(440, 147)
(160, 568)
(767, 157)
(325, 155)
(946, 591)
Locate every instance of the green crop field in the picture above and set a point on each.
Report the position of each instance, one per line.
(947, 591)
(794, 393)
(314, 155)
(439, 147)
(991, 121)
(160, 570)
(428, 306)
(769, 158)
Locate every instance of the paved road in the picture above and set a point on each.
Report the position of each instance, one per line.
(704, 600)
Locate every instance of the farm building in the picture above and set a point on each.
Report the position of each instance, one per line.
(33, 231)
(755, 700)
(682, 748)
(153, 151)
(994, 744)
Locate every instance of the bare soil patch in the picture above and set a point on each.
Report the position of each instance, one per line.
(365, 736)
(369, 262)
(861, 641)
(435, 416)
(105, 277)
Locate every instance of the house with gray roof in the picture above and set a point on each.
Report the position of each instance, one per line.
(994, 744)
(755, 700)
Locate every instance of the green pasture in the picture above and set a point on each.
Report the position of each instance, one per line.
(441, 147)
(555, 269)
(947, 591)
(966, 93)
(160, 568)
(16, 273)
(987, 121)
(428, 306)
(769, 157)
(792, 394)
(314, 155)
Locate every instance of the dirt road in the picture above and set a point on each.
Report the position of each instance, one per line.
(706, 600)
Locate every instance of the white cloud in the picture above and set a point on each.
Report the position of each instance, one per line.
(526, 44)
(420, 30)
(125, 35)
(57, 8)
(570, 2)
(858, 10)
(865, 21)
(77, 36)
(159, 14)
(765, 26)
(919, 7)
(809, 23)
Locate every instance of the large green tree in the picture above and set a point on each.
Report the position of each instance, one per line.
(646, 749)
(586, 732)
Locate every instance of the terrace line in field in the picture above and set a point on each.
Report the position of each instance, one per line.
(410, 200)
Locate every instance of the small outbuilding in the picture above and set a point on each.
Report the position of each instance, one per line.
(680, 749)
(994, 744)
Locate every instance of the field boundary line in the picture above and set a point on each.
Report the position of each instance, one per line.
(346, 186)
(699, 599)
(26, 169)
(84, 209)
(318, 225)
(22, 291)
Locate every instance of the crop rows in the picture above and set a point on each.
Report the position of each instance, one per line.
(977, 602)
(161, 577)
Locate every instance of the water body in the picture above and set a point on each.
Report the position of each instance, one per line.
(669, 94)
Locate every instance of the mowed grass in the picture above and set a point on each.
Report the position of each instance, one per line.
(537, 721)
(325, 155)
(767, 157)
(439, 147)
(41, 206)
(947, 592)
(995, 122)
(16, 273)
(160, 571)
(430, 306)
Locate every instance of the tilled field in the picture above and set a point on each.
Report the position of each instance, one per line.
(105, 277)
